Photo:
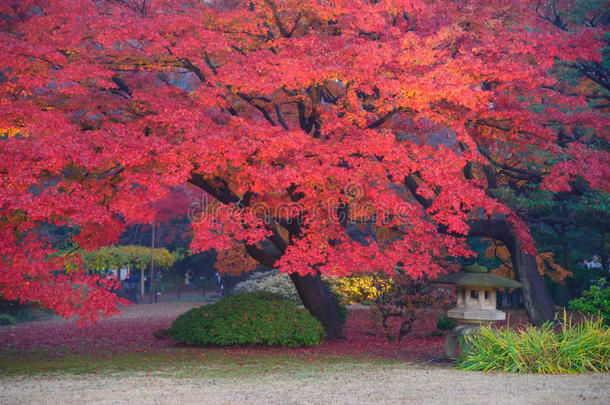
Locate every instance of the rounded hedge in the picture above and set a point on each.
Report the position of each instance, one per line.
(251, 318)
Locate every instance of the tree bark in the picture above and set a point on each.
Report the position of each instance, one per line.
(536, 297)
(319, 301)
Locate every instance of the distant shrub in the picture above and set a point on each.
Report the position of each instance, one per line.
(594, 301)
(161, 333)
(251, 318)
(6, 319)
(22, 312)
(445, 323)
(574, 349)
(272, 282)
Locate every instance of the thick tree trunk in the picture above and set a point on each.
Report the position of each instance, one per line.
(319, 301)
(536, 297)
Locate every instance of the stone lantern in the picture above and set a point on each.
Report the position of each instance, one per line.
(476, 302)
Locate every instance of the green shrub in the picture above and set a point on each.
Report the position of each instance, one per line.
(445, 323)
(251, 318)
(573, 349)
(272, 282)
(594, 301)
(22, 312)
(161, 333)
(6, 319)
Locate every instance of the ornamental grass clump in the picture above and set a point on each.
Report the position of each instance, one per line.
(569, 348)
(251, 318)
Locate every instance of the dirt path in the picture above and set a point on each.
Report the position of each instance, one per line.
(379, 384)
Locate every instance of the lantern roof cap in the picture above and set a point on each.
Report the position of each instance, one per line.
(477, 279)
(476, 268)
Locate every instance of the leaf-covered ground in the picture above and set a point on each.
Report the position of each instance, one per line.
(133, 333)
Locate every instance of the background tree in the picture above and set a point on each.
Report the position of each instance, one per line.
(132, 257)
(570, 218)
(298, 118)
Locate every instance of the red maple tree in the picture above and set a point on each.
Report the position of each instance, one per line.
(300, 117)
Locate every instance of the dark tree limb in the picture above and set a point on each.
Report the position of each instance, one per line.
(385, 118)
(280, 119)
(510, 171)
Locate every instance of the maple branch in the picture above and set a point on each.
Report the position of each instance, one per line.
(279, 117)
(498, 126)
(143, 8)
(490, 175)
(307, 123)
(187, 64)
(277, 240)
(276, 17)
(497, 229)
(122, 85)
(550, 220)
(412, 186)
(521, 174)
(262, 256)
(260, 36)
(221, 193)
(265, 113)
(210, 64)
(250, 100)
(385, 118)
(191, 67)
(301, 111)
(555, 19)
(594, 72)
(296, 23)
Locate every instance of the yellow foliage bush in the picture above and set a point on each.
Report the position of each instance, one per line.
(360, 289)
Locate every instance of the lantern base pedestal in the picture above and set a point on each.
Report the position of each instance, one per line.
(470, 319)
(475, 315)
(456, 340)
